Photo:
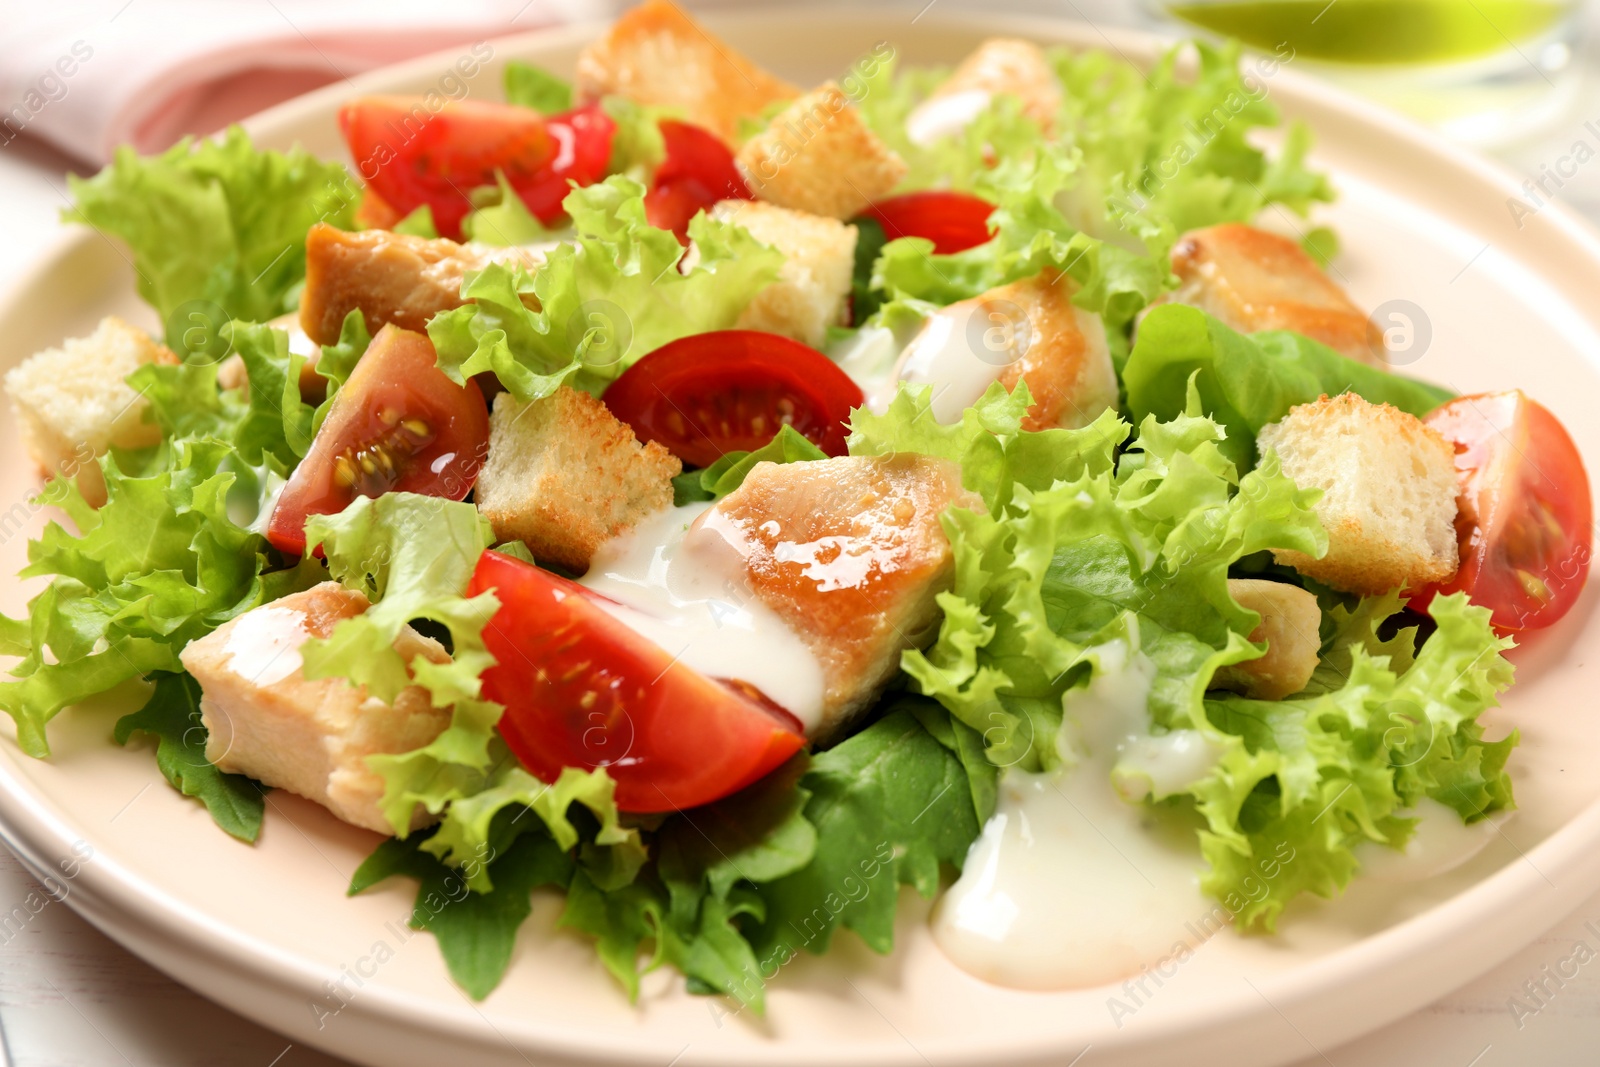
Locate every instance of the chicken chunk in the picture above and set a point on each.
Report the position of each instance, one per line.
(658, 55)
(1026, 331)
(850, 554)
(1254, 280)
(391, 277)
(1290, 625)
(267, 720)
(998, 66)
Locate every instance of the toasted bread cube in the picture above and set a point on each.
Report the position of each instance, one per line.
(850, 554)
(1030, 331)
(818, 156)
(813, 288)
(1254, 280)
(1000, 66)
(1389, 493)
(392, 277)
(564, 474)
(658, 55)
(267, 720)
(1291, 623)
(73, 402)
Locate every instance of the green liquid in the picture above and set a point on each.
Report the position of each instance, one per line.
(1378, 31)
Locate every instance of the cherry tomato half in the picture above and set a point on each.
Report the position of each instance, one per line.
(397, 424)
(954, 222)
(580, 689)
(697, 171)
(732, 390)
(413, 156)
(1525, 520)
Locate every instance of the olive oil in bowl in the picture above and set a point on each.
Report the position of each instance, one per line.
(1379, 31)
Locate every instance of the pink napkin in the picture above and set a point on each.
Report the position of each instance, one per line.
(88, 76)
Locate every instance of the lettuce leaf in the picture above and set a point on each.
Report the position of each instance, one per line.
(1247, 382)
(217, 221)
(529, 86)
(1161, 153)
(615, 293)
(412, 556)
(172, 717)
(1318, 775)
(1062, 557)
(728, 472)
(162, 563)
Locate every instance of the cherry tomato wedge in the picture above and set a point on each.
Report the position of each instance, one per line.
(397, 424)
(412, 156)
(697, 171)
(580, 689)
(954, 222)
(1526, 519)
(732, 390)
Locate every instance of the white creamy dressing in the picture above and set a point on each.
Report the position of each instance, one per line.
(264, 645)
(944, 355)
(1070, 885)
(944, 116)
(1440, 842)
(681, 584)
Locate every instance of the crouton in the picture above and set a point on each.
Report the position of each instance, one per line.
(818, 156)
(1254, 280)
(1000, 66)
(564, 474)
(267, 720)
(850, 554)
(813, 288)
(73, 402)
(1388, 493)
(392, 277)
(1025, 331)
(658, 55)
(1290, 625)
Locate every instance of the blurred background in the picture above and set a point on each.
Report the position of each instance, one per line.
(1518, 80)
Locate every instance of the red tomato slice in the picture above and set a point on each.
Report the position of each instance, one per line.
(397, 424)
(580, 689)
(697, 171)
(1526, 519)
(954, 222)
(732, 390)
(412, 156)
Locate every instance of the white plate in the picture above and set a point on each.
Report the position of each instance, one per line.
(267, 930)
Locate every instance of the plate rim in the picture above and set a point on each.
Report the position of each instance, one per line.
(117, 900)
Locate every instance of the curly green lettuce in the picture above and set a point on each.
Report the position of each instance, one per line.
(611, 295)
(218, 221)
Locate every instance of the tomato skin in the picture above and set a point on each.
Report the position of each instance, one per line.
(1526, 522)
(412, 156)
(954, 222)
(697, 171)
(582, 690)
(731, 390)
(421, 432)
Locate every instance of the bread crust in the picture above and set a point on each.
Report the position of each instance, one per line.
(818, 156)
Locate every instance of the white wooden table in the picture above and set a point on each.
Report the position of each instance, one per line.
(70, 997)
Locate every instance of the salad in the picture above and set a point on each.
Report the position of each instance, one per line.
(724, 503)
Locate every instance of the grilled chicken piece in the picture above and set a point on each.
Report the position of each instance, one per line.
(850, 554)
(1026, 331)
(311, 737)
(1254, 280)
(1290, 623)
(391, 277)
(998, 66)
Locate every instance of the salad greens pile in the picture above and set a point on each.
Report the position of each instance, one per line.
(1126, 529)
